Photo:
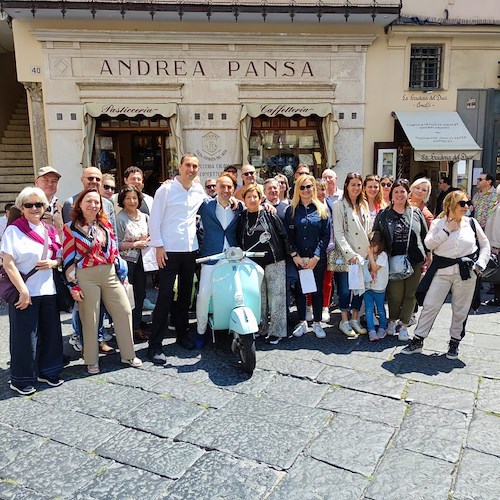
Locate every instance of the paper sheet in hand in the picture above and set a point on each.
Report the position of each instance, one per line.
(356, 280)
(149, 259)
(307, 281)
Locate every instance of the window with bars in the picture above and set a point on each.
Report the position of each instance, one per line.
(425, 67)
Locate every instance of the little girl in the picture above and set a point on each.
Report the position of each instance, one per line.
(375, 289)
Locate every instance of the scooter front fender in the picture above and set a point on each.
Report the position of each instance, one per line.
(243, 321)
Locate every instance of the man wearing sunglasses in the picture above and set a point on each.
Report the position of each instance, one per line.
(248, 176)
(211, 187)
(108, 186)
(485, 199)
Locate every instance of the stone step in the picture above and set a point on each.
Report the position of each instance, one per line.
(16, 163)
(18, 180)
(7, 197)
(18, 128)
(13, 171)
(16, 147)
(12, 134)
(16, 155)
(19, 121)
(16, 140)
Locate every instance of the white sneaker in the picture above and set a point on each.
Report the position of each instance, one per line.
(391, 328)
(345, 328)
(372, 335)
(75, 341)
(403, 334)
(325, 315)
(356, 326)
(381, 333)
(309, 313)
(318, 331)
(300, 329)
(148, 305)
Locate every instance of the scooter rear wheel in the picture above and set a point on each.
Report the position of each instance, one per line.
(247, 353)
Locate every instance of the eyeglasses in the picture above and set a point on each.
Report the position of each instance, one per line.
(481, 179)
(210, 186)
(309, 186)
(93, 178)
(462, 203)
(38, 204)
(386, 184)
(108, 187)
(283, 183)
(246, 174)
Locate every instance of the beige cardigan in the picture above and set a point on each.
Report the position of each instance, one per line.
(351, 230)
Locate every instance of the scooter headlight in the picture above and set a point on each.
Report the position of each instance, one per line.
(238, 299)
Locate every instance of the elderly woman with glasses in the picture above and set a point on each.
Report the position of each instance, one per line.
(308, 228)
(460, 253)
(404, 229)
(30, 247)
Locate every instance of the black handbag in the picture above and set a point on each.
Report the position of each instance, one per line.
(65, 302)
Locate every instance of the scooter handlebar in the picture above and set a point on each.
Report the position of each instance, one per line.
(210, 257)
(255, 254)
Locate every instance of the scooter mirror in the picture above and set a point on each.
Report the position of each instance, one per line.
(264, 237)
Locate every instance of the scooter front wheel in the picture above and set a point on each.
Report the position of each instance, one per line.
(247, 353)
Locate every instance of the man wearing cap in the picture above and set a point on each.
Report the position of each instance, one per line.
(47, 180)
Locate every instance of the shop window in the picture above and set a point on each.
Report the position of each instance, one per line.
(425, 67)
(279, 144)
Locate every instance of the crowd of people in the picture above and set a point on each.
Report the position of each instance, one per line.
(374, 242)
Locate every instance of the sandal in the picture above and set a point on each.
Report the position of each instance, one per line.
(93, 369)
(135, 363)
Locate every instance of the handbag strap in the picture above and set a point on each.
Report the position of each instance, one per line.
(44, 255)
(409, 233)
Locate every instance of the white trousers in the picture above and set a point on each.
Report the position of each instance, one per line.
(462, 292)
(203, 298)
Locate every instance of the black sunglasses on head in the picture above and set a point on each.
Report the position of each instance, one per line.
(462, 203)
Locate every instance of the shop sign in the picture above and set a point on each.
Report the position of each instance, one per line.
(451, 156)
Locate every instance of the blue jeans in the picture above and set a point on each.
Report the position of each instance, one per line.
(346, 302)
(77, 324)
(377, 298)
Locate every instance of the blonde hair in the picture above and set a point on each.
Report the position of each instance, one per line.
(252, 187)
(309, 179)
(450, 202)
(422, 180)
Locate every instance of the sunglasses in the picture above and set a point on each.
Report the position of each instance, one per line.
(462, 203)
(38, 204)
(92, 178)
(246, 174)
(283, 183)
(481, 178)
(386, 184)
(309, 186)
(210, 186)
(108, 187)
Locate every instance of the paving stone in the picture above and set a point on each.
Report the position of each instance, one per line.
(164, 417)
(242, 383)
(366, 406)
(71, 428)
(257, 428)
(16, 410)
(488, 398)
(443, 397)
(296, 391)
(352, 444)
(142, 379)
(484, 433)
(404, 474)
(198, 393)
(292, 366)
(487, 341)
(481, 367)
(356, 362)
(95, 397)
(119, 482)
(53, 469)
(157, 455)
(216, 475)
(390, 386)
(9, 491)
(436, 432)
(312, 479)
(15, 442)
(478, 477)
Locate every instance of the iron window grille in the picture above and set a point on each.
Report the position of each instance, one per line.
(425, 67)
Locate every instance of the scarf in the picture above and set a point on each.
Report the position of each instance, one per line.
(23, 225)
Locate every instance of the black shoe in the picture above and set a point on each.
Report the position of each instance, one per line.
(52, 381)
(453, 349)
(271, 339)
(415, 346)
(185, 341)
(145, 325)
(157, 356)
(491, 303)
(26, 390)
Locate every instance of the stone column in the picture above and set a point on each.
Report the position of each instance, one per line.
(37, 124)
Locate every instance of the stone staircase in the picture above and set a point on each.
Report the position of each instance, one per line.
(16, 159)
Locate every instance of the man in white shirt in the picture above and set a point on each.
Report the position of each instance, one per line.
(172, 227)
(333, 193)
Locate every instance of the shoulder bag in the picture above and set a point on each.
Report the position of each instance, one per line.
(400, 267)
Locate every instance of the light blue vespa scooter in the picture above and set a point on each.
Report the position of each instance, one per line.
(235, 302)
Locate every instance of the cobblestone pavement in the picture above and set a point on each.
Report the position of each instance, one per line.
(334, 418)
